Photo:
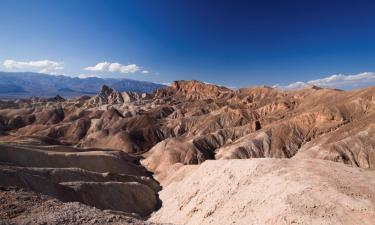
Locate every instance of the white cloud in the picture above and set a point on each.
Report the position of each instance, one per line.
(84, 76)
(42, 66)
(114, 67)
(56, 73)
(336, 81)
(145, 71)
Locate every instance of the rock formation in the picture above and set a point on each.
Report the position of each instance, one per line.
(268, 191)
(79, 148)
(210, 120)
(89, 176)
(23, 207)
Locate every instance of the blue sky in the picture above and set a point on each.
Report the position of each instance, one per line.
(234, 43)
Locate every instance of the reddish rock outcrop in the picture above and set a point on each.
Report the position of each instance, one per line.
(112, 141)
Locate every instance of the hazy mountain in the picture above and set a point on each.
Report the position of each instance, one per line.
(23, 84)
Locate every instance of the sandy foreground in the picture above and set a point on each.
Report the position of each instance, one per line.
(268, 191)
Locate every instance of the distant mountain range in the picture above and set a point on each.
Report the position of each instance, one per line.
(26, 84)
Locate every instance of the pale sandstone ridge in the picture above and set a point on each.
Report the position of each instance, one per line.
(107, 180)
(268, 191)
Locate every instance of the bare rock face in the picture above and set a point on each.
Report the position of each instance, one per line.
(268, 191)
(98, 161)
(103, 150)
(352, 144)
(106, 96)
(109, 96)
(57, 98)
(206, 119)
(129, 197)
(198, 90)
(108, 180)
(111, 194)
(336, 126)
(171, 154)
(59, 175)
(18, 206)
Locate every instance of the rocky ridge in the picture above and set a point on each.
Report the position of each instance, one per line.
(268, 191)
(208, 121)
(80, 147)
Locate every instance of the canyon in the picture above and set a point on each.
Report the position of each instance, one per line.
(191, 153)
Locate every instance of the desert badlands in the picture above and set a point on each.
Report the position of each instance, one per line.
(190, 153)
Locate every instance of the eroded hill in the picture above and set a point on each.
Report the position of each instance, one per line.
(115, 139)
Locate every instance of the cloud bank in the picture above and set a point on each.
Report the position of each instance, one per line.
(41, 66)
(336, 81)
(84, 76)
(114, 68)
